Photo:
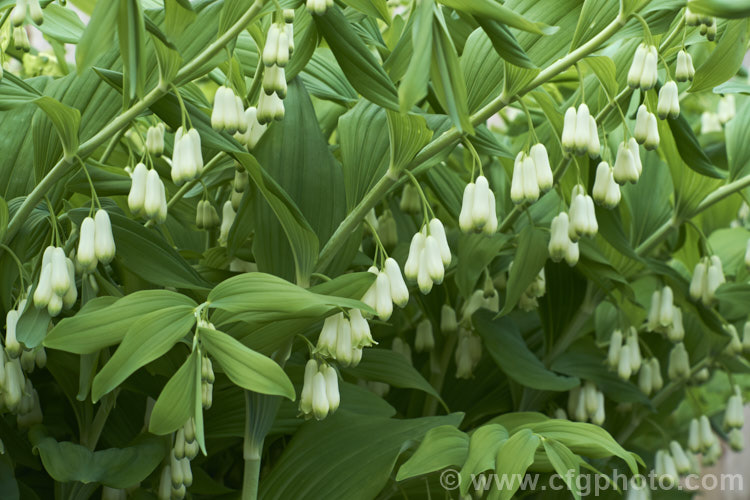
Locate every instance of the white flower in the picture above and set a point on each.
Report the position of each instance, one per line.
(559, 242)
(320, 404)
(615, 347)
(270, 108)
(318, 7)
(12, 346)
(18, 14)
(569, 130)
(411, 268)
(424, 340)
(625, 169)
(227, 219)
(448, 323)
(253, 130)
(684, 70)
(271, 49)
(332, 387)
(104, 241)
(652, 137)
(669, 101)
(86, 254)
(636, 67)
(155, 140)
(155, 200)
(641, 124)
(361, 336)
(606, 191)
(137, 194)
(480, 210)
(383, 299)
(679, 363)
(59, 278)
(727, 108)
(436, 229)
(734, 416)
(274, 80)
(710, 122)
(583, 123)
(643, 70)
(187, 158)
(582, 215)
(666, 307)
(399, 291)
(524, 187)
(544, 177)
(594, 147)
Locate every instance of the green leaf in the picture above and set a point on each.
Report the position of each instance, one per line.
(148, 338)
(605, 71)
(483, 447)
(324, 79)
(564, 461)
(447, 78)
(131, 32)
(413, 87)
(500, 13)
(32, 326)
(517, 78)
(690, 150)
(505, 43)
(408, 134)
(531, 255)
(178, 16)
(483, 69)
(66, 121)
(15, 92)
(169, 60)
(505, 344)
(245, 367)
(725, 60)
(3, 218)
(359, 65)
(231, 12)
(177, 401)
(441, 447)
(514, 459)
(727, 9)
(61, 24)
(146, 253)
(113, 467)
(94, 327)
(345, 440)
(372, 8)
(98, 35)
(475, 252)
(384, 365)
(737, 136)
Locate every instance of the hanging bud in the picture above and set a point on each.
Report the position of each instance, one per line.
(12, 346)
(305, 400)
(559, 239)
(599, 415)
(637, 66)
(411, 268)
(679, 363)
(624, 366)
(694, 437)
(681, 461)
(410, 201)
(137, 194)
(652, 137)
(331, 387)
(582, 129)
(71, 295)
(480, 210)
(737, 440)
(436, 229)
(517, 195)
(707, 436)
(43, 292)
(270, 108)
(625, 168)
(606, 191)
(86, 254)
(104, 241)
(710, 123)
(666, 307)
(424, 340)
(569, 130)
(360, 330)
(383, 300)
(155, 140)
(645, 379)
(641, 124)
(734, 416)
(669, 101)
(594, 146)
(399, 291)
(155, 202)
(60, 279)
(227, 220)
(544, 177)
(676, 330)
(253, 129)
(465, 218)
(698, 282)
(271, 48)
(448, 323)
(727, 109)
(615, 348)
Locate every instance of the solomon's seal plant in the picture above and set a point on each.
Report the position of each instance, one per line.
(290, 249)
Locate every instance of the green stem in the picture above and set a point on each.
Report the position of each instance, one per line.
(451, 137)
(250, 479)
(64, 166)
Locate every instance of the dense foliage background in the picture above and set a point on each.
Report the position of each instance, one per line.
(253, 159)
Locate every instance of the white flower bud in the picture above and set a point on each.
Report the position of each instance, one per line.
(361, 336)
(271, 49)
(681, 461)
(590, 397)
(320, 405)
(86, 254)
(155, 202)
(737, 440)
(253, 130)
(305, 400)
(636, 67)
(544, 177)
(572, 254)
(424, 340)
(666, 307)
(650, 70)
(344, 347)
(615, 347)
(12, 346)
(411, 268)
(735, 344)
(694, 437)
(676, 331)
(734, 417)
(432, 260)
(578, 216)
(697, 284)
(18, 14)
(104, 241)
(707, 436)
(448, 323)
(70, 297)
(594, 146)
(669, 101)
(633, 346)
(155, 140)
(691, 18)
(652, 137)
(332, 387)
(710, 123)
(399, 291)
(656, 380)
(604, 178)
(582, 129)
(282, 53)
(644, 379)
(480, 210)
(679, 363)
(60, 279)
(624, 367)
(516, 184)
(625, 169)
(683, 67)
(219, 111)
(424, 281)
(270, 108)
(530, 186)
(598, 417)
(559, 239)
(727, 108)
(569, 130)
(636, 152)
(43, 292)
(641, 124)
(227, 219)
(383, 300)
(466, 218)
(137, 194)
(436, 229)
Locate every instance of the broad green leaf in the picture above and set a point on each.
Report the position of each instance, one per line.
(245, 367)
(727, 9)
(594, 17)
(364, 139)
(506, 346)
(605, 71)
(113, 467)
(177, 401)
(145, 252)
(98, 35)
(531, 255)
(131, 33)
(475, 252)
(514, 459)
(483, 446)
(505, 43)
(447, 78)
(441, 447)
(564, 461)
(690, 150)
(61, 24)
(517, 78)
(413, 86)
(737, 134)
(231, 12)
(409, 134)
(483, 69)
(373, 8)
(178, 16)
(725, 60)
(66, 121)
(500, 13)
(32, 326)
(168, 59)
(87, 332)
(346, 440)
(148, 338)
(734, 86)
(359, 65)
(324, 79)
(15, 92)
(384, 365)
(3, 217)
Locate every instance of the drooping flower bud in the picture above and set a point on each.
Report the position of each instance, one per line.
(436, 229)
(155, 140)
(60, 279)
(582, 214)
(594, 146)
(383, 300)
(615, 348)
(645, 379)
(737, 440)
(410, 201)
(18, 14)
(104, 241)
(684, 69)
(253, 129)
(448, 323)
(669, 101)
(398, 288)
(480, 210)
(569, 130)
(636, 67)
(559, 239)
(641, 124)
(86, 254)
(155, 201)
(305, 400)
(424, 340)
(227, 219)
(727, 108)
(544, 177)
(734, 416)
(270, 108)
(271, 48)
(625, 169)
(411, 268)
(332, 387)
(679, 363)
(694, 437)
(652, 136)
(583, 123)
(137, 194)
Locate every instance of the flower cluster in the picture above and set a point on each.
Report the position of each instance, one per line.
(177, 475)
(57, 283)
(624, 353)
(580, 134)
(155, 139)
(664, 316)
(228, 112)
(389, 288)
(276, 52)
(708, 275)
(606, 191)
(343, 337)
(532, 175)
(701, 439)
(582, 214)
(586, 403)
(320, 390)
(628, 166)
(643, 70)
(187, 158)
(478, 211)
(429, 255)
(206, 216)
(95, 243)
(147, 196)
(646, 128)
